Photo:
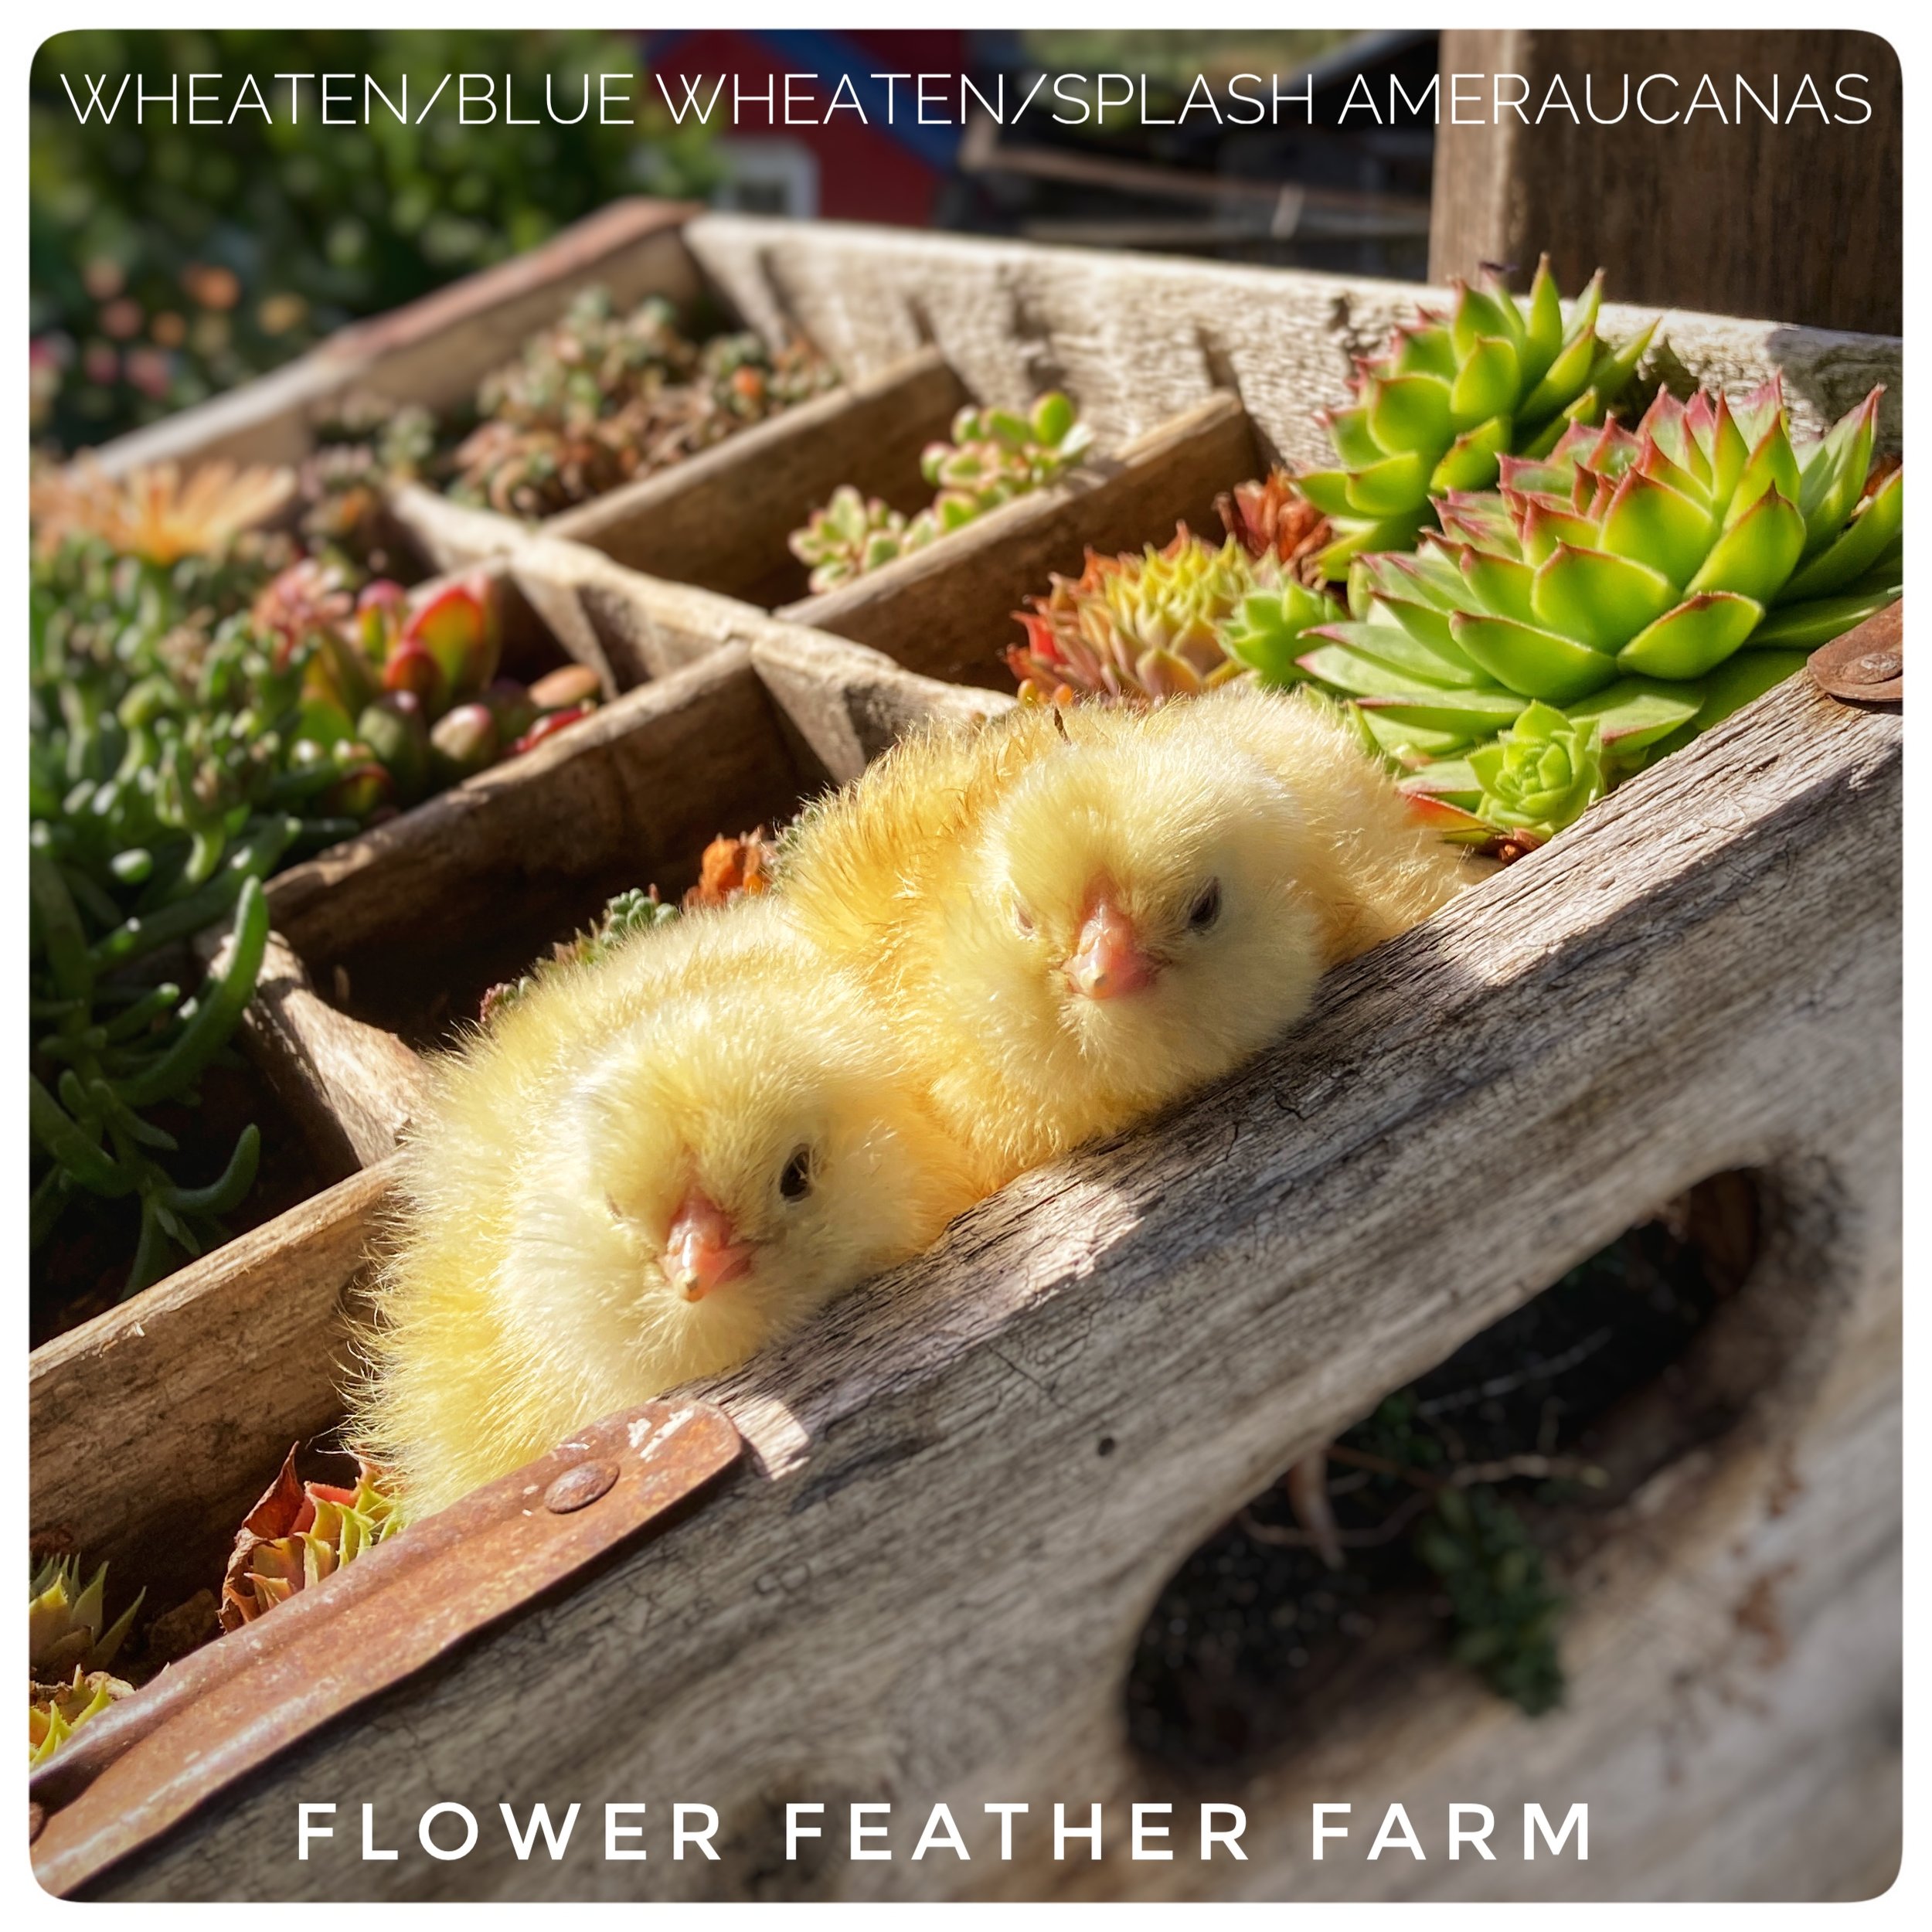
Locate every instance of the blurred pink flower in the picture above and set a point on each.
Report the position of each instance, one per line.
(151, 371)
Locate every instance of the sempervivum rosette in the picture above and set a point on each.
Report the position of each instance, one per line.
(1643, 584)
(1449, 399)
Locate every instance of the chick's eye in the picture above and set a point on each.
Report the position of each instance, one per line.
(1206, 908)
(1022, 921)
(795, 1183)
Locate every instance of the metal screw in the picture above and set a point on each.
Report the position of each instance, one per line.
(1875, 667)
(578, 1489)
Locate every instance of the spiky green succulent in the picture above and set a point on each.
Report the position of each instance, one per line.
(1541, 773)
(67, 1628)
(54, 1712)
(1449, 399)
(1164, 623)
(1644, 583)
(605, 396)
(298, 1533)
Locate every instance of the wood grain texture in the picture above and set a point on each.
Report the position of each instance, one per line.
(719, 519)
(351, 1089)
(639, 786)
(153, 1425)
(946, 611)
(848, 702)
(1725, 211)
(1138, 338)
(931, 1585)
(637, 627)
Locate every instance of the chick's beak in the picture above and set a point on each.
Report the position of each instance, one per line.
(1107, 960)
(702, 1250)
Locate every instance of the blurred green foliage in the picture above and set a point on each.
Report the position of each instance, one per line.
(170, 261)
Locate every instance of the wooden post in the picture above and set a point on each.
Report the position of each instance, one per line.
(1727, 212)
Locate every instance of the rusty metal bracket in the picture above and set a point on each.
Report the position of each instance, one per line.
(209, 1720)
(1867, 665)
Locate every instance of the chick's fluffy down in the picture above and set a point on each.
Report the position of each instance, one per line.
(1244, 838)
(525, 1294)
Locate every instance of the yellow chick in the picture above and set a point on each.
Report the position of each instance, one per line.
(646, 1171)
(1372, 868)
(1076, 922)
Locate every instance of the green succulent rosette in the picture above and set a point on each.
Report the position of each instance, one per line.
(1452, 397)
(1540, 775)
(1648, 582)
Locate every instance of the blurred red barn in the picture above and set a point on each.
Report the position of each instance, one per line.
(841, 169)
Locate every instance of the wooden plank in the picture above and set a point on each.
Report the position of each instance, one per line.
(974, 1476)
(848, 703)
(351, 1089)
(946, 611)
(1724, 209)
(1137, 339)
(421, 914)
(633, 627)
(156, 1425)
(720, 518)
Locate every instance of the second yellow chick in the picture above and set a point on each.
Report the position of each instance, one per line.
(1074, 921)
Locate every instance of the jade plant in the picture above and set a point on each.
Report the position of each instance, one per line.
(1452, 396)
(994, 456)
(602, 397)
(1610, 600)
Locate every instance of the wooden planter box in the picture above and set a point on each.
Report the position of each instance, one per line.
(1194, 376)
(966, 1484)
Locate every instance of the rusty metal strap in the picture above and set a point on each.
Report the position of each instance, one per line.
(223, 1712)
(1867, 665)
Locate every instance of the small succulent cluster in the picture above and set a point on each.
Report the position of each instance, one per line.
(994, 456)
(1504, 1610)
(1608, 600)
(602, 398)
(1450, 397)
(69, 1653)
(630, 912)
(364, 444)
(1181, 617)
(404, 693)
(298, 1533)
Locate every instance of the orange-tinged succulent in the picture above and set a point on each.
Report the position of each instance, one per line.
(54, 1712)
(298, 1533)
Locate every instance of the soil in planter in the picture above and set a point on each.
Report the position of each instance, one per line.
(1255, 1644)
(83, 1270)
